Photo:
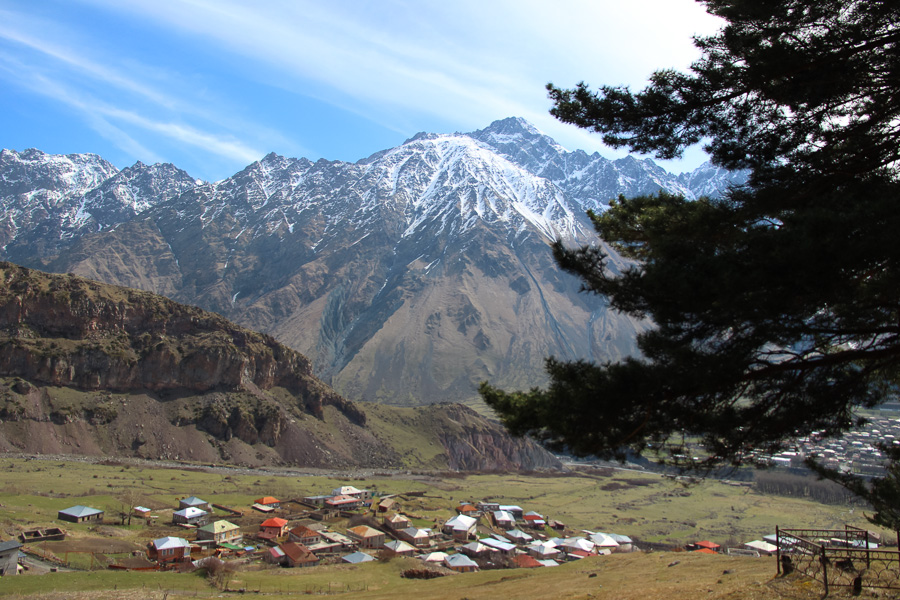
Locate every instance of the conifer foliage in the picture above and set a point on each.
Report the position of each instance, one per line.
(777, 307)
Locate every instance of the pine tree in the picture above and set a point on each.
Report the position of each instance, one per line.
(776, 307)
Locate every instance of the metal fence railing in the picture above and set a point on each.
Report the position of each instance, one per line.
(837, 558)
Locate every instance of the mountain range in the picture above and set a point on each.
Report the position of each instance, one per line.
(406, 277)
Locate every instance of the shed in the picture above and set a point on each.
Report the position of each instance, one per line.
(80, 514)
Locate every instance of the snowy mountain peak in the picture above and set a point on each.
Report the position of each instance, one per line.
(57, 174)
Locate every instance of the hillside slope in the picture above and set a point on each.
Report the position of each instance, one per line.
(89, 368)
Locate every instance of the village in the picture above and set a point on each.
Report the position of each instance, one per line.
(348, 525)
(854, 452)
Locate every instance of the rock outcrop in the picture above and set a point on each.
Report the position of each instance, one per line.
(89, 368)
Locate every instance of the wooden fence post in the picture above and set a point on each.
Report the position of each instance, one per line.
(777, 551)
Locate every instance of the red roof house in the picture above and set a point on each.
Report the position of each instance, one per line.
(272, 528)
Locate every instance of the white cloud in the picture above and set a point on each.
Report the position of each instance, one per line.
(462, 61)
(405, 65)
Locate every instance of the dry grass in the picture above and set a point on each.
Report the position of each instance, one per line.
(638, 576)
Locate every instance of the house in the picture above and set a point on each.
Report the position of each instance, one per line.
(460, 527)
(169, 549)
(316, 500)
(397, 522)
(420, 538)
(220, 532)
(517, 536)
(764, 548)
(460, 563)
(543, 551)
(604, 541)
(349, 490)
(503, 519)
(194, 502)
(189, 516)
(304, 535)
(80, 514)
(515, 511)
(535, 520)
(338, 539)
(142, 512)
(357, 558)
(268, 501)
(468, 510)
(298, 555)
(272, 528)
(477, 550)
(400, 547)
(487, 507)
(387, 504)
(343, 502)
(704, 545)
(366, 536)
(9, 557)
(575, 547)
(502, 546)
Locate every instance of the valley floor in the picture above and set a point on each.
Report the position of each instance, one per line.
(657, 512)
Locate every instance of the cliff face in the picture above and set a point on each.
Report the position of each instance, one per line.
(89, 368)
(69, 331)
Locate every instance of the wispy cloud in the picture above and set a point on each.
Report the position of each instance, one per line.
(465, 62)
(232, 78)
(102, 116)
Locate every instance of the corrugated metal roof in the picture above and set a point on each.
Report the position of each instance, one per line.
(80, 511)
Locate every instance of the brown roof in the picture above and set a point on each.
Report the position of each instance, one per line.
(364, 531)
(298, 553)
(302, 531)
(523, 561)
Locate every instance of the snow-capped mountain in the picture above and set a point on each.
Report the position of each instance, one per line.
(407, 277)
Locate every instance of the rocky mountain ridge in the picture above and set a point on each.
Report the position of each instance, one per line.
(406, 277)
(88, 368)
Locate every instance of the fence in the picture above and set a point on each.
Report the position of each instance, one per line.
(837, 558)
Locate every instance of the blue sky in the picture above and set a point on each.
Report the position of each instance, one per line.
(212, 85)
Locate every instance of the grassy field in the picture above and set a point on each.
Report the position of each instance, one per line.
(639, 576)
(644, 506)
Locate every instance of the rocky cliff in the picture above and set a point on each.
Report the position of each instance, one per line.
(89, 368)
